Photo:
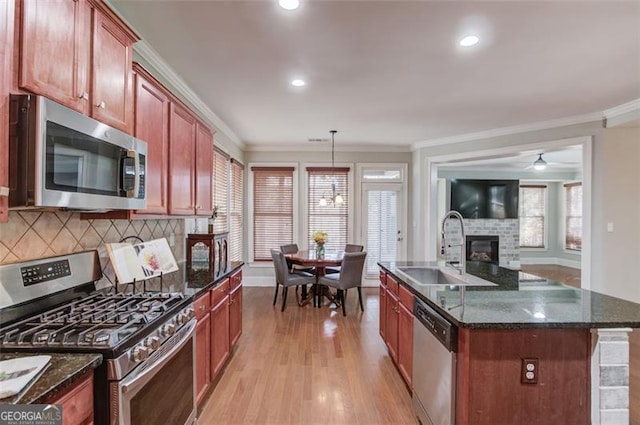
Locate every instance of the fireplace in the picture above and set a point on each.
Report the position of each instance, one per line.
(483, 248)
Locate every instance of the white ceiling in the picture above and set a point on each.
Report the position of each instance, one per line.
(559, 160)
(390, 72)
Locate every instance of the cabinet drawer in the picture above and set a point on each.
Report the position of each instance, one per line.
(77, 402)
(202, 305)
(406, 297)
(219, 292)
(383, 277)
(392, 284)
(236, 279)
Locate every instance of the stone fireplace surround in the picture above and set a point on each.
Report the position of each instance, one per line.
(507, 230)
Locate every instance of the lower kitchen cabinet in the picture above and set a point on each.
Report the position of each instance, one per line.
(396, 324)
(77, 402)
(219, 316)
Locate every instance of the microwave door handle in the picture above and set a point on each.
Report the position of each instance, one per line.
(128, 156)
(136, 181)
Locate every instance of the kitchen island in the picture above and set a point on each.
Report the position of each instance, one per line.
(577, 337)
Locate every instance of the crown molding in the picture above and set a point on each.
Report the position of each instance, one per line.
(145, 51)
(505, 131)
(625, 108)
(324, 147)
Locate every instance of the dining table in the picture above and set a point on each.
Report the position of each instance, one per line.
(310, 258)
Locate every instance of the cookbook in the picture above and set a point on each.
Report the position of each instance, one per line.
(141, 261)
(18, 375)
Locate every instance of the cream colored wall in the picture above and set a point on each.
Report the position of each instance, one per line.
(616, 254)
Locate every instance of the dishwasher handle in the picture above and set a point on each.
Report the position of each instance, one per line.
(444, 331)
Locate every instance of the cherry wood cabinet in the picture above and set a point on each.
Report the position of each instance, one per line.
(182, 136)
(77, 402)
(396, 324)
(220, 344)
(203, 174)
(152, 126)
(6, 41)
(78, 53)
(203, 346)
(235, 308)
(111, 100)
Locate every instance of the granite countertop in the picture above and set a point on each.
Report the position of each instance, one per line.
(514, 299)
(63, 370)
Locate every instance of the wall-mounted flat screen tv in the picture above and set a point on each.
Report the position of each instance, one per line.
(485, 198)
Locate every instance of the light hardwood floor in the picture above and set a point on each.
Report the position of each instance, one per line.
(309, 366)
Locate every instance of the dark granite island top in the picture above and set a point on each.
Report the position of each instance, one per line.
(514, 299)
(63, 370)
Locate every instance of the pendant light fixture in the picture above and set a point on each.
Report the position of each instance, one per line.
(539, 164)
(336, 199)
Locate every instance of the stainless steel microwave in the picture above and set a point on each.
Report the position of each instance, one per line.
(60, 158)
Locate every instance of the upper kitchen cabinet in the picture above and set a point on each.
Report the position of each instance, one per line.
(78, 53)
(152, 126)
(6, 41)
(204, 171)
(182, 139)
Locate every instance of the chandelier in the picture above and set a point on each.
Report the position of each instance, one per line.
(336, 199)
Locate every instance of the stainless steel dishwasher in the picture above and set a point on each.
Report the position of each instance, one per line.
(434, 366)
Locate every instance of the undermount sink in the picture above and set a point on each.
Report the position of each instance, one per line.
(425, 276)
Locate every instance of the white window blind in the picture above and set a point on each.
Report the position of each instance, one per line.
(382, 228)
(532, 215)
(220, 194)
(332, 219)
(235, 211)
(272, 210)
(573, 223)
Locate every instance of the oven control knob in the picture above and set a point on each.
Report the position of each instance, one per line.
(191, 313)
(169, 329)
(182, 318)
(140, 353)
(153, 342)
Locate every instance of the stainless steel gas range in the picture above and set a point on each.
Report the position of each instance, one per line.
(146, 339)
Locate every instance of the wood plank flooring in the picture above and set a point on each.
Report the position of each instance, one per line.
(309, 366)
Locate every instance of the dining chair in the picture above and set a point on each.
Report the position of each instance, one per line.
(350, 277)
(347, 248)
(285, 278)
(292, 248)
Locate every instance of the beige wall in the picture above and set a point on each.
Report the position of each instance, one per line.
(616, 254)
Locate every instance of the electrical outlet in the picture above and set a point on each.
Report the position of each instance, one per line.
(529, 373)
(172, 239)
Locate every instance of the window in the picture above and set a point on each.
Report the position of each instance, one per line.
(220, 195)
(532, 213)
(272, 209)
(332, 219)
(573, 217)
(235, 211)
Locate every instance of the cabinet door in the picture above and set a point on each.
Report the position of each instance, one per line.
(111, 94)
(152, 126)
(203, 357)
(219, 335)
(392, 325)
(383, 312)
(54, 50)
(405, 343)
(77, 402)
(182, 135)
(6, 41)
(204, 171)
(235, 315)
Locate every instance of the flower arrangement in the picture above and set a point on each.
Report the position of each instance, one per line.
(320, 237)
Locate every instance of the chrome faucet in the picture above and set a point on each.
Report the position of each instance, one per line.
(463, 245)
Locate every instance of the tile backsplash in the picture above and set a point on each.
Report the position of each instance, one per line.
(28, 235)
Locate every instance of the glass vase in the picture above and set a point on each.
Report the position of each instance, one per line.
(319, 250)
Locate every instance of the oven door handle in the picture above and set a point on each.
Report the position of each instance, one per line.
(135, 380)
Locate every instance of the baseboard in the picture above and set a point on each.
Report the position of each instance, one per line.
(569, 263)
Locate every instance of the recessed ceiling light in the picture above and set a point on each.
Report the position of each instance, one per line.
(289, 4)
(298, 83)
(469, 40)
